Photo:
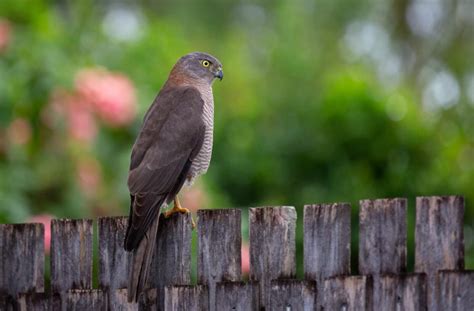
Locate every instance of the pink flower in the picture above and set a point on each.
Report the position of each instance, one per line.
(245, 252)
(44, 219)
(89, 177)
(111, 95)
(19, 132)
(5, 34)
(80, 120)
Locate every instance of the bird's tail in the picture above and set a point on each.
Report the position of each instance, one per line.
(141, 262)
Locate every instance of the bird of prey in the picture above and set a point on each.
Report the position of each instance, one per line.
(173, 147)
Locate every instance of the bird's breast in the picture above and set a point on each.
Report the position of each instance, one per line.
(203, 159)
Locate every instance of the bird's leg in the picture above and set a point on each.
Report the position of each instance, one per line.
(177, 208)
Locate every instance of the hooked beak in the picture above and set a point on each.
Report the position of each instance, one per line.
(219, 74)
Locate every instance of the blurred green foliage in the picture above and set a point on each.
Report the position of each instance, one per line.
(322, 101)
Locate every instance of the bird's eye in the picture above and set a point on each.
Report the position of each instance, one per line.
(205, 63)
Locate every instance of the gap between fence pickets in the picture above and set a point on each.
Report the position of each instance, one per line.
(382, 259)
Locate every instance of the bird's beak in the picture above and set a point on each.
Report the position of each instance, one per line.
(219, 74)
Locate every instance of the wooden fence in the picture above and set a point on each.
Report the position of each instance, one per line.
(439, 282)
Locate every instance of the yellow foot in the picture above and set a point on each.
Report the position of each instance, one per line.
(175, 209)
(178, 209)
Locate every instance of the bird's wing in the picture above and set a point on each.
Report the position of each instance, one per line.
(171, 137)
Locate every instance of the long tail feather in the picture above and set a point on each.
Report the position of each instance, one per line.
(141, 262)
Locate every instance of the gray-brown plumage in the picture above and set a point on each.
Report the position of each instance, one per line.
(173, 147)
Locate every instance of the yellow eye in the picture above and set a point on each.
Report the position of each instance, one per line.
(205, 63)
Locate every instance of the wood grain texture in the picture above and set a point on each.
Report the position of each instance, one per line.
(272, 247)
(382, 239)
(71, 254)
(113, 259)
(293, 295)
(219, 248)
(440, 284)
(172, 260)
(185, 297)
(21, 258)
(34, 301)
(456, 290)
(349, 293)
(237, 296)
(382, 236)
(148, 301)
(117, 300)
(402, 292)
(439, 240)
(85, 299)
(327, 242)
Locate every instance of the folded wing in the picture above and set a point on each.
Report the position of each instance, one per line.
(171, 136)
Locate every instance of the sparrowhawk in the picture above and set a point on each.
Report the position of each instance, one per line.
(173, 147)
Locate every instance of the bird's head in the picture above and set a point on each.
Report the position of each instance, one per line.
(199, 66)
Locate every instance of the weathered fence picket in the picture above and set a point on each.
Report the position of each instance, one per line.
(86, 299)
(327, 242)
(117, 300)
(71, 254)
(382, 240)
(293, 295)
(348, 293)
(439, 240)
(219, 249)
(402, 292)
(172, 264)
(186, 297)
(21, 258)
(113, 259)
(71, 261)
(34, 301)
(272, 247)
(237, 296)
(439, 282)
(456, 290)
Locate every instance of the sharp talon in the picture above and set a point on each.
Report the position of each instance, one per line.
(177, 208)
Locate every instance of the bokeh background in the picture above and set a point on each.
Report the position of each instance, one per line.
(322, 101)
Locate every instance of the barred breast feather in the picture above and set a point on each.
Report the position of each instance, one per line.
(201, 163)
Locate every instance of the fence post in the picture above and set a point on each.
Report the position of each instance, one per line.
(114, 261)
(456, 290)
(382, 240)
(237, 296)
(439, 284)
(172, 258)
(348, 293)
(148, 300)
(186, 297)
(86, 299)
(327, 243)
(439, 243)
(118, 300)
(71, 258)
(293, 295)
(272, 247)
(402, 292)
(219, 249)
(34, 301)
(21, 259)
